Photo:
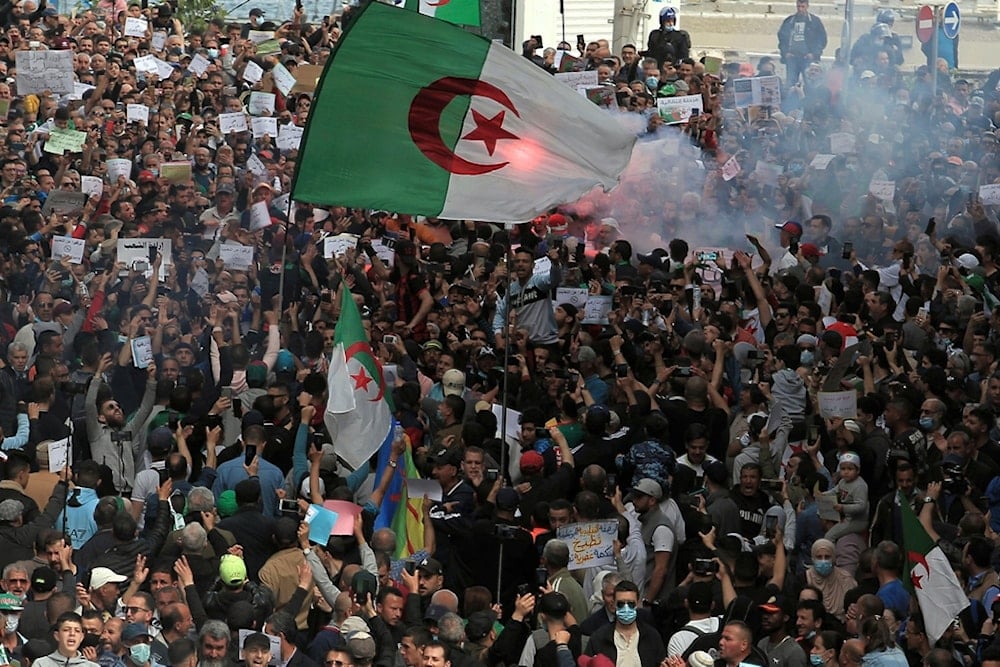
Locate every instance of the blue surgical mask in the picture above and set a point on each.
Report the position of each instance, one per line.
(926, 423)
(213, 53)
(816, 660)
(139, 653)
(652, 83)
(807, 358)
(626, 615)
(823, 567)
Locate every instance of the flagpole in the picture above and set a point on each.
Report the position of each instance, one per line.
(503, 404)
(284, 255)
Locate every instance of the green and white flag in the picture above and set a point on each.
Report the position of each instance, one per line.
(452, 126)
(928, 574)
(459, 12)
(357, 408)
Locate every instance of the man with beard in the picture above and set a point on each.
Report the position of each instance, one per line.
(110, 435)
(213, 645)
(112, 652)
(777, 645)
(530, 297)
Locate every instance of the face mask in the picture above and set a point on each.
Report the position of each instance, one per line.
(155, 171)
(823, 567)
(139, 653)
(816, 659)
(669, 28)
(213, 53)
(652, 83)
(926, 423)
(806, 357)
(11, 625)
(626, 614)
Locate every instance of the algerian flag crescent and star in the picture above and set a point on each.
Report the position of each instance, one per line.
(928, 573)
(459, 12)
(358, 413)
(449, 124)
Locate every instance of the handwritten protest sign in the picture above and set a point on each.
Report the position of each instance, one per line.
(578, 79)
(542, 266)
(136, 26)
(176, 172)
(198, 65)
(158, 41)
(884, 190)
(252, 73)
(260, 216)
(575, 296)
(590, 544)
(283, 79)
(91, 185)
(65, 141)
(58, 455)
(260, 103)
(838, 404)
(39, 71)
(232, 122)
(989, 193)
(674, 110)
(262, 126)
(119, 167)
(821, 161)
(335, 246)
(63, 202)
(418, 488)
(130, 250)
(596, 310)
(137, 113)
(236, 256)
(145, 64)
(289, 137)
(67, 246)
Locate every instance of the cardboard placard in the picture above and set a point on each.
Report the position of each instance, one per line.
(63, 202)
(176, 172)
(306, 78)
(591, 544)
(65, 141)
(40, 71)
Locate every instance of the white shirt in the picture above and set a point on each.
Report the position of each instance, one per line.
(628, 649)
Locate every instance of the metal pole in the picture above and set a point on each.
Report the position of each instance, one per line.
(934, 53)
(562, 14)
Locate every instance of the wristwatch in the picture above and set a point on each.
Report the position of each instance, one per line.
(392, 464)
(928, 499)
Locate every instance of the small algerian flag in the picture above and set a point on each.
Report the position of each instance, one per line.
(928, 574)
(358, 415)
(459, 12)
(461, 128)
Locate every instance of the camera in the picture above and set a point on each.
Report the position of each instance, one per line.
(704, 567)
(504, 532)
(954, 480)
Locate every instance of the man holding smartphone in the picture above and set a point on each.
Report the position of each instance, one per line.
(250, 465)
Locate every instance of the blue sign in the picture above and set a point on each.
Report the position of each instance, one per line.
(951, 20)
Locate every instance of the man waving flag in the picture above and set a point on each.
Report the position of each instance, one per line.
(462, 129)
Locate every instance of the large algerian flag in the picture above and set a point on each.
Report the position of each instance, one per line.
(358, 415)
(452, 125)
(460, 12)
(928, 574)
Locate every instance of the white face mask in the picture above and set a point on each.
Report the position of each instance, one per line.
(11, 625)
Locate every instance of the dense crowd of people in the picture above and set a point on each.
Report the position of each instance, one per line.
(664, 350)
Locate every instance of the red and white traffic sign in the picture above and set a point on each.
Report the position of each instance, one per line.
(925, 24)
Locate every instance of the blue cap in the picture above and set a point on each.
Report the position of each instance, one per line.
(285, 362)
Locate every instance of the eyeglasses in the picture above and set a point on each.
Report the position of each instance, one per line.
(621, 604)
(135, 610)
(45, 305)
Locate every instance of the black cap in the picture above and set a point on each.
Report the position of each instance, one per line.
(257, 11)
(479, 625)
(553, 604)
(44, 579)
(446, 456)
(430, 567)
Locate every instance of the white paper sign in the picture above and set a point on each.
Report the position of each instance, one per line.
(91, 185)
(731, 169)
(989, 193)
(255, 166)
(578, 79)
(119, 167)
(142, 351)
(58, 455)
(145, 63)
(418, 488)
(259, 36)
(757, 91)
(236, 256)
(163, 69)
(512, 428)
(137, 113)
(264, 126)
(136, 26)
(675, 110)
(131, 250)
(542, 266)
(575, 296)
(260, 217)
(884, 190)
(198, 65)
(261, 103)
(233, 122)
(841, 142)
(79, 90)
(289, 138)
(39, 71)
(821, 161)
(283, 79)
(158, 41)
(67, 246)
(838, 404)
(384, 252)
(335, 246)
(596, 309)
(252, 73)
